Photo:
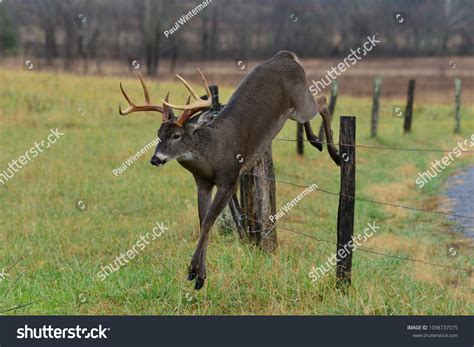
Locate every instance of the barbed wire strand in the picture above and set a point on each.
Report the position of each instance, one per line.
(12, 285)
(365, 199)
(22, 306)
(383, 147)
(367, 250)
(14, 264)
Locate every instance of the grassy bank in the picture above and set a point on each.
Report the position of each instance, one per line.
(60, 247)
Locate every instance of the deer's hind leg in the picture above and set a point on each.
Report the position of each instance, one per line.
(305, 109)
(324, 111)
(303, 104)
(312, 138)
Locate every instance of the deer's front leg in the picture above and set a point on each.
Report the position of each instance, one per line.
(197, 268)
(204, 191)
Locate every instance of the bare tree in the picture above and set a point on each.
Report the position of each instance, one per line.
(151, 32)
(47, 11)
(119, 29)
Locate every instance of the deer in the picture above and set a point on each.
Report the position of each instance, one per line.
(274, 91)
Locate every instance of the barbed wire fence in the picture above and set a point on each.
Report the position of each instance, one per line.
(268, 227)
(272, 226)
(387, 148)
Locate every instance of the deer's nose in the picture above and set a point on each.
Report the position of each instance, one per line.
(155, 161)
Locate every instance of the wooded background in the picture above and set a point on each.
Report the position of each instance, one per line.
(61, 31)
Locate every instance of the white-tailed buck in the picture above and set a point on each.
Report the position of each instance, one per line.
(273, 92)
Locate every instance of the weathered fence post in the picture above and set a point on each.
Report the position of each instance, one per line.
(457, 99)
(409, 108)
(216, 106)
(258, 202)
(299, 139)
(375, 106)
(332, 106)
(345, 214)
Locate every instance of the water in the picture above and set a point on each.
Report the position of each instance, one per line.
(460, 190)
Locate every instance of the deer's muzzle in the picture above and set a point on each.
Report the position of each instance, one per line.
(157, 161)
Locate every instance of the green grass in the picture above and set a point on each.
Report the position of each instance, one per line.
(62, 248)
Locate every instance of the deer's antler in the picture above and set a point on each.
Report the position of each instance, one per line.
(146, 107)
(195, 106)
(186, 114)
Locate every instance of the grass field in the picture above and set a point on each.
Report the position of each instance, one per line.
(58, 249)
(434, 75)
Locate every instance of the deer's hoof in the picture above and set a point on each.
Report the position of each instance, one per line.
(192, 272)
(199, 282)
(198, 273)
(318, 145)
(316, 142)
(334, 154)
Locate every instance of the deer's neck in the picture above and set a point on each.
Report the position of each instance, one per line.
(198, 159)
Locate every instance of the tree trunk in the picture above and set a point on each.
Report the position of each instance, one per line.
(214, 32)
(151, 28)
(50, 43)
(204, 38)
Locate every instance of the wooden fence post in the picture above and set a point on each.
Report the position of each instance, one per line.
(216, 106)
(331, 107)
(375, 106)
(345, 214)
(457, 99)
(409, 108)
(258, 202)
(299, 139)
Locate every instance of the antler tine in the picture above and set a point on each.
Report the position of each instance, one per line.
(197, 105)
(136, 108)
(188, 87)
(186, 114)
(208, 91)
(128, 109)
(189, 99)
(126, 96)
(145, 89)
(166, 109)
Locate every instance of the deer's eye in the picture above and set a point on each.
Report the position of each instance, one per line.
(176, 136)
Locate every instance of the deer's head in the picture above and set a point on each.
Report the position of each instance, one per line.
(174, 134)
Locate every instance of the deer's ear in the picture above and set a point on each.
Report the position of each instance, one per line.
(205, 118)
(193, 127)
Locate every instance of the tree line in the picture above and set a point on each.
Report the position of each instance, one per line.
(67, 30)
